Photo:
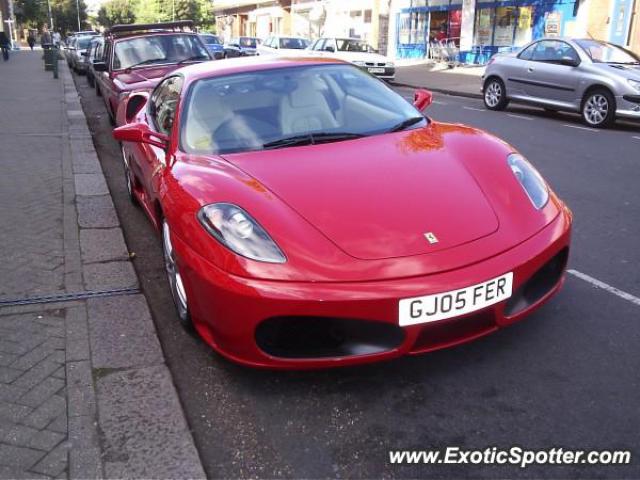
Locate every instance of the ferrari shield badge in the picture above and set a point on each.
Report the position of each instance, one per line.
(431, 238)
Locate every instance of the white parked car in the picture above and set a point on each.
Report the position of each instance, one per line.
(358, 52)
(280, 45)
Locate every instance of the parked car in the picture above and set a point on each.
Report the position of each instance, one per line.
(241, 47)
(358, 52)
(279, 45)
(94, 53)
(77, 50)
(598, 79)
(214, 44)
(138, 56)
(311, 217)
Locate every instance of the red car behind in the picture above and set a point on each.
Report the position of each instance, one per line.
(136, 57)
(311, 217)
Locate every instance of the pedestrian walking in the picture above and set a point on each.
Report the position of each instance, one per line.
(45, 38)
(56, 38)
(5, 46)
(31, 40)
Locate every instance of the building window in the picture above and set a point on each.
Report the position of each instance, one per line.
(484, 27)
(367, 16)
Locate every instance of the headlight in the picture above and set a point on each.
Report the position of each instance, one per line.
(359, 63)
(635, 84)
(531, 181)
(391, 64)
(235, 229)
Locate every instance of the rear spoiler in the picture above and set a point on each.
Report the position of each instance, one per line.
(146, 27)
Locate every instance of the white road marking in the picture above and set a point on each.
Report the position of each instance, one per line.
(475, 109)
(519, 116)
(438, 102)
(604, 286)
(580, 128)
(637, 138)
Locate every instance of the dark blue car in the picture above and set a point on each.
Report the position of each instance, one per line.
(213, 44)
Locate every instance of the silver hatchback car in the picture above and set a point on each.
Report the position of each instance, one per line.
(598, 79)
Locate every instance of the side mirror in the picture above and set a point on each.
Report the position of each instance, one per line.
(329, 48)
(99, 66)
(140, 133)
(84, 54)
(422, 99)
(570, 61)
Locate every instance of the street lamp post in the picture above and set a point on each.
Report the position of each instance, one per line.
(78, 8)
(50, 15)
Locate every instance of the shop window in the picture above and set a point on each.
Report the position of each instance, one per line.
(411, 28)
(485, 18)
(505, 26)
(524, 28)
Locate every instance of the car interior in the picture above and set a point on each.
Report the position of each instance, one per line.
(244, 112)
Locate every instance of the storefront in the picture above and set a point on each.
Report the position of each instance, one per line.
(480, 27)
(424, 22)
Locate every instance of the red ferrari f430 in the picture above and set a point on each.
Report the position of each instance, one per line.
(312, 217)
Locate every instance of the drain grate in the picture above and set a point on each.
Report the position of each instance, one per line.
(68, 297)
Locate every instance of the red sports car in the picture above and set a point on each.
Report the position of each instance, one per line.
(312, 217)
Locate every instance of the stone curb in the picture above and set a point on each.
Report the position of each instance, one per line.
(125, 417)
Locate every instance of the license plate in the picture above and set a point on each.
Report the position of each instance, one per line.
(376, 70)
(440, 306)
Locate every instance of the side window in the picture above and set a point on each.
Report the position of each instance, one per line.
(552, 51)
(163, 104)
(527, 54)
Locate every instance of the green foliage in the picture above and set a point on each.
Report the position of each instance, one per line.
(151, 11)
(65, 15)
(116, 12)
(31, 13)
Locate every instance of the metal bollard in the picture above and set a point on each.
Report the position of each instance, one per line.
(56, 59)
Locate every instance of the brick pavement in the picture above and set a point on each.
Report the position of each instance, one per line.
(84, 390)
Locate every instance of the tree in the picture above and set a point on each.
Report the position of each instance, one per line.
(31, 13)
(116, 12)
(65, 15)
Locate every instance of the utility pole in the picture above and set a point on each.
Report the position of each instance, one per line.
(50, 15)
(173, 8)
(78, 8)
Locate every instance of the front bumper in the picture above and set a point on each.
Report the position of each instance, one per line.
(628, 106)
(231, 312)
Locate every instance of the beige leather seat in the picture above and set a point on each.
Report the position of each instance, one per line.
(204, 117)
(305, 110)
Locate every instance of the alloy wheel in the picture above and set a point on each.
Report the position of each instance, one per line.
(493, 94)
(596, 109)
(173, 275)
(127, 174)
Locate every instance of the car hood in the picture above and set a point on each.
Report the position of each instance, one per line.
(360, 57)
(626, 71)
(378, 197)
(147, 74)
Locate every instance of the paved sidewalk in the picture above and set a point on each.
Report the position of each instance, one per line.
(461, 81)
(84, 390)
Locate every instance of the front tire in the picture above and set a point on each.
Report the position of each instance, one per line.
(174, 277)
(599, 108)
(128, 177)
(495, 95)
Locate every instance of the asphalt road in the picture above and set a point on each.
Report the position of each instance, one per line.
(565, 377)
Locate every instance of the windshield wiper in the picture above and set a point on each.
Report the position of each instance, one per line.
(311, 139)
(405, 124)
(193, 59)
(151, 60)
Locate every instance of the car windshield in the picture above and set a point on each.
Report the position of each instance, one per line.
(84, 42)
(603, 52)
(290, 106)
(293, 43)
(350, 45)
(157, 49)
(211, 39)
(247, 42)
